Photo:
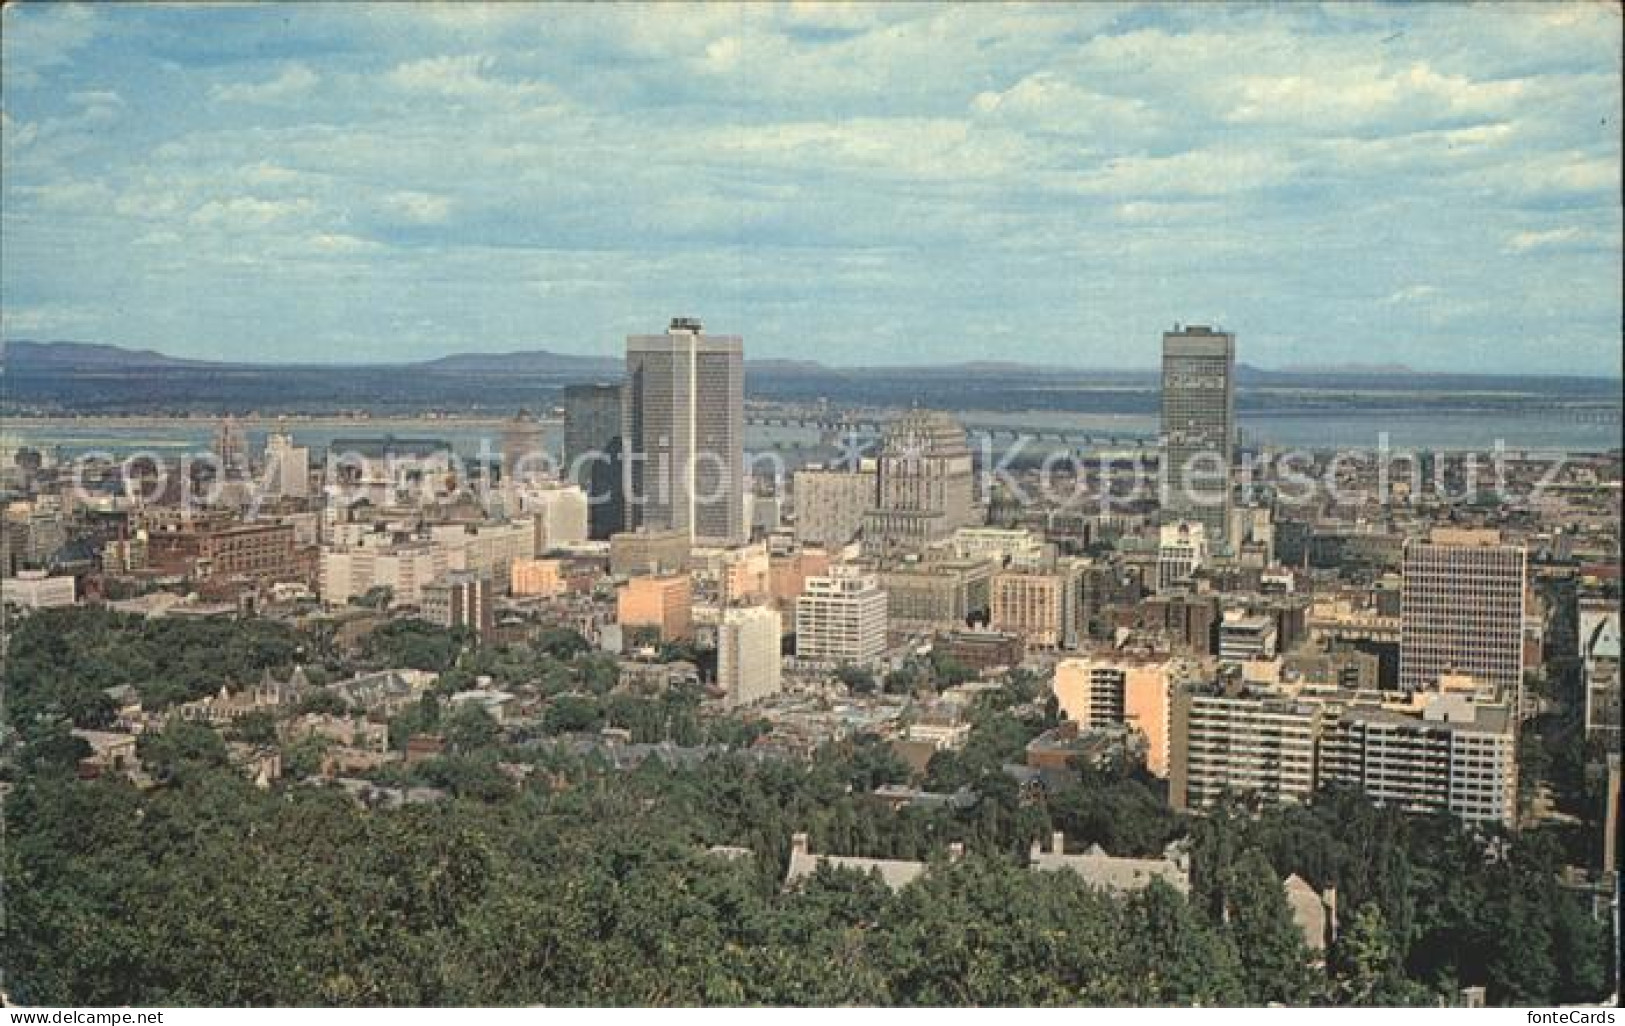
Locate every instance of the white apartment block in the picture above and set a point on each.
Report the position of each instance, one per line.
(748, 658)
(841, 618)
(1599, 667)
(1451, 754)
(347, 574)
(1254, 744)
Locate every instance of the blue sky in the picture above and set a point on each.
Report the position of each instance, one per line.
(1433, 185)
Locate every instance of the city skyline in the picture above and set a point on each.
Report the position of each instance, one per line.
(1435, 187)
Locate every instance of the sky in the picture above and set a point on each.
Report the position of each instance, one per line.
(1431, 185)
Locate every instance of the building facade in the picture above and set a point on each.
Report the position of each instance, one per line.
(830, 504)
(593, 453)
(1041, 607)
(841, 618)
(1198, 426)
(926, 488)
(461, 600)
(1463, 610)
(1182, 550)
(684, 426)
(748, 661)
(662, 603)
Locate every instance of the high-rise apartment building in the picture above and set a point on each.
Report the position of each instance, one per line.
(1198, 426)
(1124, 691)
(1451, 753)
(1462, 610)
(927, 485)
(593, 453)
(748, 662)
(1248, 743)
(684, 426)
(841, 618)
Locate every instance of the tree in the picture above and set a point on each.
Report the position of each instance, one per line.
(858, 679)
(1274, 960)
(181, 750)
(255, 728)
(1367, 965)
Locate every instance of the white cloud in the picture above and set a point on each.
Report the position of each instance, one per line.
(249, 212)
(294, 80)
(1555, 238)
(1410, 294)
(417, 207)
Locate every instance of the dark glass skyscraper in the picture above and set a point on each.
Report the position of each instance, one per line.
(1198, 427)
(592, 453)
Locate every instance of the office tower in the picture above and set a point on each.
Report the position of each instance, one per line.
(1448, 753)
(748, 661)
(524, 453)
(841, 618)
(1182, 550)
(830, 503)
(1463, 611)
(593, 453)
(1130, 692)
(287, 466)
(927, 485)
(940, 595)
(1198, 426)
(1247, 743)
(684, 425)
(663, 604)
(460, 600)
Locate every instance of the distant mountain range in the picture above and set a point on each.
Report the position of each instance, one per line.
(31, 356)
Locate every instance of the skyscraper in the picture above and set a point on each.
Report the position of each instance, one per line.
(927, 485)
(1198, 427)
(684, 426)
(1462, 611)
(593, 454)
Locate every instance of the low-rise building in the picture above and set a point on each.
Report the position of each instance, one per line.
(35, 589)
